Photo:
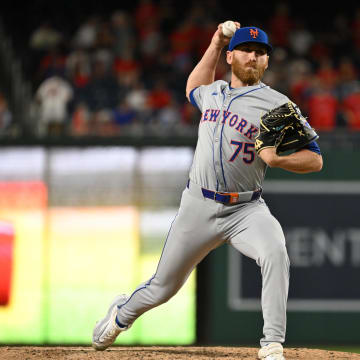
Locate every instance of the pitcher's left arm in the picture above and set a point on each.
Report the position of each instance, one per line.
(303, 161)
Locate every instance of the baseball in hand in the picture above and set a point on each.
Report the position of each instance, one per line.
(228, 28)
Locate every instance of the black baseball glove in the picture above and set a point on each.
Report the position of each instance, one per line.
(285, 129)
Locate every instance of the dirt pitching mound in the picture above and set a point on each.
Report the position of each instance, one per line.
(160, 352)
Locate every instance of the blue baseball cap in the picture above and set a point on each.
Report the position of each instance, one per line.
(250, 34)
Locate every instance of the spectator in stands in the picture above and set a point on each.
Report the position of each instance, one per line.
(104, 56)
(126, 69)
(123, 116)
(53, 97)
(53, 63)
(348, 92)
(320, 49)
(189, 115)
(5, 116)
(348, 82)
(104, 36)
(351, 108)
(102, 91)
(300, 38)
(322, 106)
(80, 120)
(86, 35)
(340, 34)
(102, 123)
(279, 69)
(158, 98)
(151, 45)
(137, 100)
(169, 118)
(45, 37)
(182, 44)
(145, 12)
(327, 73)
(280, 25)
(123, 34)
(300, 81)
(78, 68)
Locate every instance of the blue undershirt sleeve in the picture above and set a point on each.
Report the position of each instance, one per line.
(192, 98)
(313, 146)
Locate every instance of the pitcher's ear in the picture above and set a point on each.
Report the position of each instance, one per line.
(229, 57)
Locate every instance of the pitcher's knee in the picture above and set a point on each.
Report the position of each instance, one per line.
(277, 256)
(162, 294)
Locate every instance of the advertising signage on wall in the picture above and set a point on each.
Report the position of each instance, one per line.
(322, 229)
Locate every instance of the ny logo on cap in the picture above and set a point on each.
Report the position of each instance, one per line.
(254, 33)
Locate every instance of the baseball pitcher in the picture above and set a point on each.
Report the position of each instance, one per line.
(245, 127)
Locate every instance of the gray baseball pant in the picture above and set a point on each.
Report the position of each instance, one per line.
(202, 225)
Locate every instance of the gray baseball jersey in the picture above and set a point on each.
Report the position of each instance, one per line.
(225, 157)
(225, 161)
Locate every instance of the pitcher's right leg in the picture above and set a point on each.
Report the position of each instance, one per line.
(192, 235)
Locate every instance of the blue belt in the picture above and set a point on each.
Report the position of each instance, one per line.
(230, 197)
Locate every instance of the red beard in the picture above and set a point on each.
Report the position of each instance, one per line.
(250, 74)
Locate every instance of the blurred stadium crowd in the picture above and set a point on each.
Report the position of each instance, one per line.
(125, 73)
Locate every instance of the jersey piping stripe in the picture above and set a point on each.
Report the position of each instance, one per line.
(221, 135)
(217, 181)
(259, 88)
(221, 162)
(149, 282)
(222, 91)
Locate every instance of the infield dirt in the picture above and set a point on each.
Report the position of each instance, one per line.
(156, 352)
